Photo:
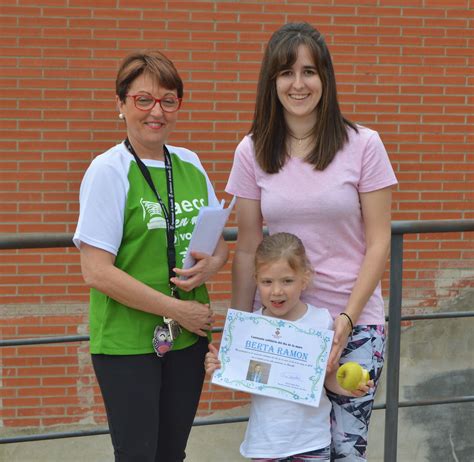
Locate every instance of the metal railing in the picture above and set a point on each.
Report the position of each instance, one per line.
(394, 318)
(392, 404)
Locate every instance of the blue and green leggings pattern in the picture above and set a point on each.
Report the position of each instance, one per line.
(350, 416)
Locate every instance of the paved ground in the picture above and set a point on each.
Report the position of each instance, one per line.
(209, 443)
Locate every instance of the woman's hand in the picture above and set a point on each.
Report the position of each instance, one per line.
(362, 390)
(342, 330)
(193, 316)
(331, 383)
(206, 266)
(211, 362)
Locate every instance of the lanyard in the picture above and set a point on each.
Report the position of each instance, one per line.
(170, 214)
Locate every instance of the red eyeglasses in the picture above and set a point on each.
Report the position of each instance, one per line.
(146, 102)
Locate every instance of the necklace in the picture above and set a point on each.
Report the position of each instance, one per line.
(304, 137)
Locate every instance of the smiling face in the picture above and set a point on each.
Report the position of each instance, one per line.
(299, 88)
(280, 288)
(148, 130)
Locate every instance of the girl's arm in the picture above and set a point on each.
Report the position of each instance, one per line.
(99, 272)
(250, 234)
(376, 213)
(206, 266)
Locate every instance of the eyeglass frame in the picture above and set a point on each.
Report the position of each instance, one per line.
(157, 100)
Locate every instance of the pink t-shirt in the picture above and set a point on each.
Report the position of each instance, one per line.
(322, 208)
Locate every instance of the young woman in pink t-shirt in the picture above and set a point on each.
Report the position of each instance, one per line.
(307, 170)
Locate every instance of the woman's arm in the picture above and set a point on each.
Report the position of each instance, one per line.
(331, 384)
(250, 234)
(376, 213)
(99, 272)
(206, 266)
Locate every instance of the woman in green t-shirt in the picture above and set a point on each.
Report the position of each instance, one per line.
(148, 327)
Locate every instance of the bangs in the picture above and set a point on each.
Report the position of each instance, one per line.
(154, 65)
(164, 77)
(286, 53)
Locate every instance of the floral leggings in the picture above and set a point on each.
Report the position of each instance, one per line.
(350, 416)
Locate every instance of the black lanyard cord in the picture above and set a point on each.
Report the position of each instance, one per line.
(168, 215)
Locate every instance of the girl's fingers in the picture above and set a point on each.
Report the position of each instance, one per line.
(213, 349)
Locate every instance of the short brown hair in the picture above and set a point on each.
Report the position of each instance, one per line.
(151, 62)
(285, 246)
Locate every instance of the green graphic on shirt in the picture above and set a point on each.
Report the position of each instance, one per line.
(153, 214)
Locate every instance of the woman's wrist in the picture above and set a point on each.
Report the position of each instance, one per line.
(220, 261)
(170, 306)
(349, 321)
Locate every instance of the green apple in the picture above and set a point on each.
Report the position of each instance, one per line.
(351, 375)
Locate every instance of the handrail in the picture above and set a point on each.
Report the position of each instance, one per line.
(202, 422)
(85, 338)
(52, 240)
(399, 229)
(431, 226)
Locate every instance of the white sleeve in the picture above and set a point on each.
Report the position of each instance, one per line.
(191, 157)
(211, 195)
(212, 198)
(102, 202)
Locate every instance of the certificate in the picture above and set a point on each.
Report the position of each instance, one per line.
(273, 357)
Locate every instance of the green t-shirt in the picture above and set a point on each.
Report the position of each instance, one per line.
(114, 195)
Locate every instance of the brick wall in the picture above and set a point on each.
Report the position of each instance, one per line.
(403, 68)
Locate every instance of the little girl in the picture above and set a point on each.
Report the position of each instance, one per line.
(280, 430)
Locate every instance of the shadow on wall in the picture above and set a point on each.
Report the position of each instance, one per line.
(449, 428)
(440, 360)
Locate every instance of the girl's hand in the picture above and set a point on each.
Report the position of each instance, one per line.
(342, 330)
(206, 266)
(211, 362)
(194, 316)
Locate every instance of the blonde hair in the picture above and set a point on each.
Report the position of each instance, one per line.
(285, 246)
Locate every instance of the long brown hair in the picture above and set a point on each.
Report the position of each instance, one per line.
(269, 128)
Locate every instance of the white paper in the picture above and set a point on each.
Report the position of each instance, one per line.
(291, 358)
(208, 229)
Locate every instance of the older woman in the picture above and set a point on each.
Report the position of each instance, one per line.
(148, 328)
